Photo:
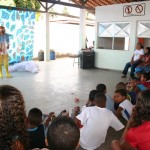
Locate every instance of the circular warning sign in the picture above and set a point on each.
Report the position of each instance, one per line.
(128, 10)
(139, 8)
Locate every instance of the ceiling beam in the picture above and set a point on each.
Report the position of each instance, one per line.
(66, 4)
(41, 4)
(70, 16)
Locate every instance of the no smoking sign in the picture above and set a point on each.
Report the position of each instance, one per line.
(134, 10)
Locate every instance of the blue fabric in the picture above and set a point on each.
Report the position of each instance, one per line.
(132, 96)
(127, 114)
(141, 87)
(33, 129)
(133, 66)
(144, 68)
(4, 38)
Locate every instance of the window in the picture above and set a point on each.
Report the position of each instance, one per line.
(143, 32)
(113, 36)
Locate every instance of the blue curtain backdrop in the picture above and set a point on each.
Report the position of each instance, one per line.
(20, 26)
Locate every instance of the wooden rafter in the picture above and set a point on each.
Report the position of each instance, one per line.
(95, 3)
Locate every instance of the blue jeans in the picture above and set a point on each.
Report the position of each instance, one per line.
(133, 66)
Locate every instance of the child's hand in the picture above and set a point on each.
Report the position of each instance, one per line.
(50, 117)
(133, 114)
(76, 110)
(51, 114)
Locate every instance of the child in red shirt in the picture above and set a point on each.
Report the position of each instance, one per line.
(145, 77)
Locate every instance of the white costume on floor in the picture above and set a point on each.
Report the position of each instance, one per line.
(30, 66)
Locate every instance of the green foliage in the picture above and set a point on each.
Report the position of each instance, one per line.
(29, 4)
(37, 5)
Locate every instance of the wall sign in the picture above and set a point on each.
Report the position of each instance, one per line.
(134, 10)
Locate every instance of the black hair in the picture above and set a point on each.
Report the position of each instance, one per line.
(101, 88)
(92, 95)
(141, 45)
(35, 116)
(99, 98)
(134, 78)
(148, 48)
(121, 85)
(142, 108)
(146, 76)
(63, 134)
(122, 92)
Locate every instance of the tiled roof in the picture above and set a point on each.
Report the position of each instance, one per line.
(94, 3)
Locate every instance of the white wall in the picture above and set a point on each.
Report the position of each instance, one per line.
(64, 38)
(39, 35)
(116, 59)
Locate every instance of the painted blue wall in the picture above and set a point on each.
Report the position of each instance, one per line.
(20, 26)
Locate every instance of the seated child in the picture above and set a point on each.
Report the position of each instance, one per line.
(131, 95)
(137, 133)
(145, 77)
(136, 85)
(36, 129)
(95, 121)
(101, 88)
(63, 134)
(120, 85)
(137, 73)
(125, 106)
(91, 99)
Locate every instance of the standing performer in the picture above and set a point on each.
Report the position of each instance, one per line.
(4, 46)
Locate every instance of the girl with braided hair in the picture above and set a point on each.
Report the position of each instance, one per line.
(137, 133)
(13, 130)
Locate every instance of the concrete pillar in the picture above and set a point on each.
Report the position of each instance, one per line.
(82, 29)
(47, 50)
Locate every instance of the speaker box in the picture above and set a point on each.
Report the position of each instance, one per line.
(87, 60)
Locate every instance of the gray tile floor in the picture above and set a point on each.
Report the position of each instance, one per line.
(58, 83)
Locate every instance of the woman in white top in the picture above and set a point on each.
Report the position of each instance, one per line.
(135, 61)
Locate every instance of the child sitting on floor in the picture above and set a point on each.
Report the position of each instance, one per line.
(36, 129)
(131, 95)
(145, 77)
(136, 85)
(125, 106)
(96, 121)
(91, 99)
(137, 133)
(101, 88)
(63, 134)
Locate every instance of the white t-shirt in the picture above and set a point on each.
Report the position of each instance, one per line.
(109, 103)
(96, 121)
(137, 54)
(127, 109)
(83, 107)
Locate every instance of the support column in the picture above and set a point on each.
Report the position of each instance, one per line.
(47, 50)
(82, 29)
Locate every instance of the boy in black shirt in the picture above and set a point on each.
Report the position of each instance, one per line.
(36, 129)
